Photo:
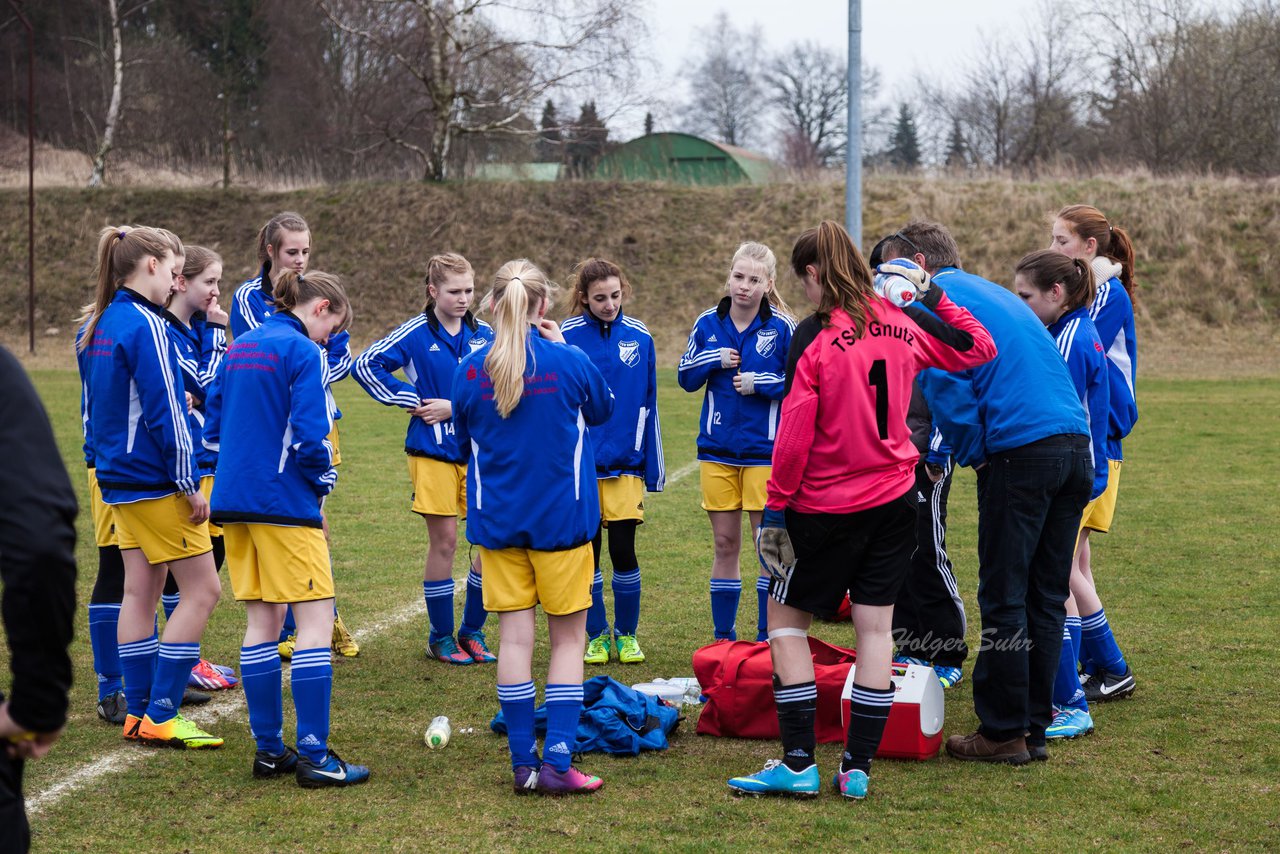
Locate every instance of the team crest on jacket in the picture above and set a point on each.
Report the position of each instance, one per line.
(629, 353)
(476, 344)
(766, 341)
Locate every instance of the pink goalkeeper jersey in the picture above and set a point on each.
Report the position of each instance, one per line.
(843, 444)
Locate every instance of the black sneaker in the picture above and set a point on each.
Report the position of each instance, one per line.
(1106, 686)
(192, 697)
(267, 765)
(112, 708)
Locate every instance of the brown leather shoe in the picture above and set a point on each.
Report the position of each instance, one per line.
(976, 747)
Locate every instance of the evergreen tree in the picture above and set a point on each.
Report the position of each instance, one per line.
(550, 147)
(587, 141)
(648, 123)
(957, 150)
(904, 145)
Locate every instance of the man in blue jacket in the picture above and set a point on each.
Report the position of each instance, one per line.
(1018, 422)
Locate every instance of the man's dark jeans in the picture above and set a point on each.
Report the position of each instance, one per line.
(1030, 500)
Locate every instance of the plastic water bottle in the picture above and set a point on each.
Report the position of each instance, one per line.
(438, 733)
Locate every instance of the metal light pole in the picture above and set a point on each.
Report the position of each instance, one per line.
(853, 144)
(31, 174)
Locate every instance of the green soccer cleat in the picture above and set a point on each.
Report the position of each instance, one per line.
(598, 650)
(629, 651)
(176, 732)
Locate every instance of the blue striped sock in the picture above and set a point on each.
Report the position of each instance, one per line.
(1100, 644)
(169, 601)
(260, 676)
(626, 601)
(138, 665)
(103, 621)
(473, 612)
(312, 675)
(173, 668)
(1073, 626)
(597, 620)
(517, 709)
(762, 603)
(1067, 693)
(725, 593)
(439, 596)
(564, 708)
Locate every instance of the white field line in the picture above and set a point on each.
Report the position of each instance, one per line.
(681, 473)
(227, 705)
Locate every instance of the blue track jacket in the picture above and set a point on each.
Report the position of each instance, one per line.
(253, 303)
(1023, 395)
(738, 429)
(630, 442)
(1078, 342)
(1112, 313)
(531, 480)
(267, 420)
(137, 430)
(200, 349)
(429, 356)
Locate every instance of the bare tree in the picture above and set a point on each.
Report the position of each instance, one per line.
(809, 86)
(459, 67)
(107, 141)
(725, 93)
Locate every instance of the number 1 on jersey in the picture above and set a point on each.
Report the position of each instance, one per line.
(878, 378)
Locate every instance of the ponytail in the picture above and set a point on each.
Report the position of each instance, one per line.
(295, 289)
(518, 286)
(1112, 241)
(438, 268)
(842, 272)
(272, 234)
(120, 249)
(1045, 268)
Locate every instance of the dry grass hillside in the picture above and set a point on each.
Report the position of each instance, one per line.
(1207, 266)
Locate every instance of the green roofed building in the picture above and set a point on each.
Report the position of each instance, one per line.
(684, 159)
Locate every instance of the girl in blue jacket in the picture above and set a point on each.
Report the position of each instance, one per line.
(522, 405)
(1060, 290)
(284, 245)
(628, 447)
(428, 348)
(1082, 231)
(146, 467)
(272, 395)
(738, 350)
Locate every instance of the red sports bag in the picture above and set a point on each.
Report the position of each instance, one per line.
(737, 679)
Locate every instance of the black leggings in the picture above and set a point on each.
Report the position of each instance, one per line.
(622, 545)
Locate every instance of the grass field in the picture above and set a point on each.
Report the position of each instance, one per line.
(1189, 577)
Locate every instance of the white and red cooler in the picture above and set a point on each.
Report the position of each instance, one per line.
(914, 729)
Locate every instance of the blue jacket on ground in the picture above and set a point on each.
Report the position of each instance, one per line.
(268, 420)
(200, 349)
(630, 442)
(253, 303)
(1078, 342)
(429, 356)
(738, 429)
(531, 477)
(1112, 314)
(137, 431)
(1023, 395)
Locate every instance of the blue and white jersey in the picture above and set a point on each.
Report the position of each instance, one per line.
(630, 442)
(253, 303)
(1023, 395)
(738, 429)
(136, 426)
(82, 359)
(1078, 342)
(429, 356)
(200, 349)
(268, 421)
(531, 477)
(1112, 314)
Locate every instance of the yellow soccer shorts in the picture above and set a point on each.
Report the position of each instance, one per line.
(104, 523)
(518, 579)
(1099, 512)
(162, 528)
(333, 440)
(277, 563)
(726, 487)
(206, 487)
(439, 488)
(621, 498)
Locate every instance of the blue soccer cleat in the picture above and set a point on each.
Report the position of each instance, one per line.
(1070, 723)
(950, 677)
(331, 772)
(851, 784)
(777, 779)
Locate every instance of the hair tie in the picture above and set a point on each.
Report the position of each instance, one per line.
(517, 279)
(301, 278)
(121, 233)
